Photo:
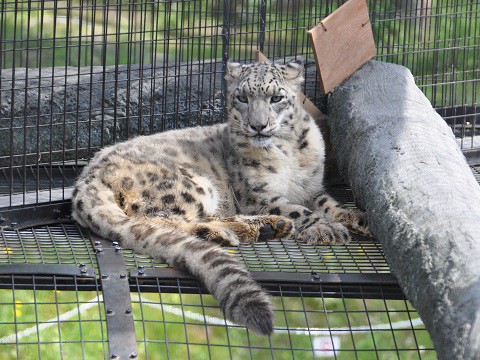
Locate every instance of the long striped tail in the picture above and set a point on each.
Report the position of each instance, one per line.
(241, 299)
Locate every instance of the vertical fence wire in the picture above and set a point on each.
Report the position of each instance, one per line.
(78, 75)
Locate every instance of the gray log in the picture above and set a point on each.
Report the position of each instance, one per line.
(421, 198)
(81, 109)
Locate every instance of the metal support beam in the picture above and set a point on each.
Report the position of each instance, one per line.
(116, 299)
(373, 286)
(47, 269)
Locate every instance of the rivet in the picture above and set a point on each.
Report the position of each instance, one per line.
(128, 311)
(140, 267)
(13, 224)
(133, 355)
(113, 356)
(99, 250)
(118, 249)
(123, 276)
(82, 264)
(141, 272)
(97, 242)
(115, 243)
(104, 276)
(109, 312)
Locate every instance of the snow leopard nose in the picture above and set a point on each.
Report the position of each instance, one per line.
(258, 127)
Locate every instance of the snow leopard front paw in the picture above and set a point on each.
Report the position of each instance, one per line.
(353, 219)
(275, 227)
(323, 232)
(217, 234)
(244, 228)
(262, 227)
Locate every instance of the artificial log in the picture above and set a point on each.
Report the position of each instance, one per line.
(83, 109)
(421, 199)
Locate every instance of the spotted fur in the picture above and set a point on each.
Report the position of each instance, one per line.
(176, 195)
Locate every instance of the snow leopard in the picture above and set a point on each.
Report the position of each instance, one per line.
(181, 196)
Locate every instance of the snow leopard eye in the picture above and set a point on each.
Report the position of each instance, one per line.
(276, 99)
(242, 99)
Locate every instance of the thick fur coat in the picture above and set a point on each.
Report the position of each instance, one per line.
(177, 194)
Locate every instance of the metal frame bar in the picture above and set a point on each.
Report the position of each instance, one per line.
(27, 217)
(373, 286)
(116, 299)
(277, 276)
(472, 156)
(47, 269)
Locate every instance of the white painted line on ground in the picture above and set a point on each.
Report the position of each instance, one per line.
(404, 324)
(13, 338)
(211, 320)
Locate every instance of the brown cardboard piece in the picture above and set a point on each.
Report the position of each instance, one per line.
(342, 42)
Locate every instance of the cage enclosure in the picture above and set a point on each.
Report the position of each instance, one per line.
(78, 75)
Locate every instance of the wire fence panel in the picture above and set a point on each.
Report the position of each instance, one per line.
(56, 320)
(310, 325)
(78, 75)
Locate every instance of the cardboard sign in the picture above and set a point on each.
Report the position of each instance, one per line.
(342, 42)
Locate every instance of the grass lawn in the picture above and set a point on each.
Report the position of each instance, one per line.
(179, 326)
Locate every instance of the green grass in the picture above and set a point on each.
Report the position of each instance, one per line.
(65, 33)
(23, 310)
(161, 331)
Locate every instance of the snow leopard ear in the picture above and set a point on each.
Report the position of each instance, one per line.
(234, 70)
(293, 71)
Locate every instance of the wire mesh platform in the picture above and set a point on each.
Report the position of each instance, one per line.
(174, 317)
(330, 301)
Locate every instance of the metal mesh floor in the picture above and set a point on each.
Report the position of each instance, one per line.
(362, 255)
(57, 244)
(330, 301)
(65, 244)
(69, 244)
